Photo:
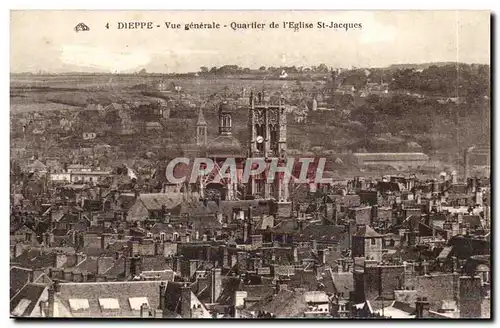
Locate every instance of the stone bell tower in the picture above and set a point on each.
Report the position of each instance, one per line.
(267, 129)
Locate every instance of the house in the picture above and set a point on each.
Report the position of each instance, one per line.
(291, 303)
(146, 299)
(155, 206)
(24, 235)
(36, 167)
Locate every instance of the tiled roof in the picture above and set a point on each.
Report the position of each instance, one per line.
(155, 201)
(96, 294)
(367, 232)
(323, 233)
(154, 263)
(285, 304)
(25, 301)
(343, 282)
(19, 277)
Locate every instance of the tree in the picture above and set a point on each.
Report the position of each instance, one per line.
(262, 68)
(322, 68)
(204, 69)
(143, 72)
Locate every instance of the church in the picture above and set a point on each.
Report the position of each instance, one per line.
(267, 141)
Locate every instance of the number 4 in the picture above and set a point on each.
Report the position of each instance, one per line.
(107, 26)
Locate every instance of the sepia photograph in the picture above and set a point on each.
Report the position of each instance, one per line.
(253, 164)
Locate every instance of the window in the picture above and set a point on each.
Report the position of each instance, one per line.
(27, 237)
(77, 304)
(373, 241)
(137, 302)
(109, 304)
(162, 236)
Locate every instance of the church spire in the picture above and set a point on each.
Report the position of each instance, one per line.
(201, 129)
(201, 118)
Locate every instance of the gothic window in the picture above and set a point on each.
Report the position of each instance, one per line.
(273, 117)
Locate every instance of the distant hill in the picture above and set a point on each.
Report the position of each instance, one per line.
(421, 66)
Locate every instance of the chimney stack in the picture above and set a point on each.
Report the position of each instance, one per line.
(422, 307)
(185, 302)
(163, 289)
(51, 300)
(215, 284)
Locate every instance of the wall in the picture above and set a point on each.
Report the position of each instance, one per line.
(405, 296)
(391, 279)
(437, 287)
(169, 249)
(373, 249)
(470, 297)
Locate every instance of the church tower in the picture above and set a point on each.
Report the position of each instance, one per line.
(267, 129)
(225, 122)
(201, 129)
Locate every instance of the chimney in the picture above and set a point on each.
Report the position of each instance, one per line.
(422, 307)
(193, 265)
(322, 255)
(479, 197)
(50, 301)
(59, 260)
(185, 302)
(241, 259)
(473, 184)
(250, 221)
(434, 186)
(455, 264)
(454, 179)
(126, 266)
(31, 276)
(135, 265)
(105, 239)
(215, 285)
(245, 232)
(374, 214)
(144, 310)
(163, 289)
(295, 253)
(425, 266)
(224, 256)
(18, 249)
(280, 285)
(101, 267)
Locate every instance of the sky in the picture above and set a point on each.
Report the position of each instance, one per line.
(46, 40)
